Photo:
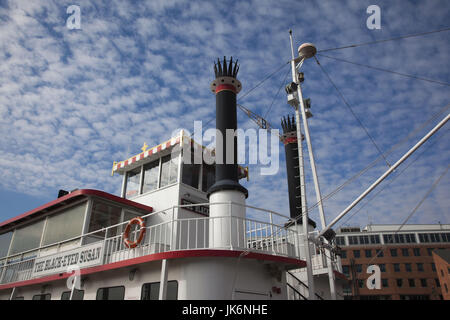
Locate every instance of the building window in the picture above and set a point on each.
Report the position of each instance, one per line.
(150, 291)
(111, 293)
(346, 270)
(382, 267)
(379, 253)
(77, 295)
(358, 268)
(410, 238)
(393, 252)
(405, 252)
(442, 272)
(399, 283)
(423, 282)
(411, 283)
(45, 296)
(423, 237)
(356, 253)
(368, 253)
(384, 283)
(353, 240)
(416, 252)
(438, 284)
(375, 239)
(420, 267)
(397, 267)
(364, 239)
(169, 170)
(433, 267)
(430, 251)
(340, 241)
(133, 182)
(446, 288)
(344, 254)
(434, 237)
(445, 237)
(65, 225)
(151, 176)
(360, 283)
(27, 238)
(388, 238)
(399, 238)
(408, 267)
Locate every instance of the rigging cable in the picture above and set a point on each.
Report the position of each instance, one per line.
(393, 179)
(430, 190)
(264, 80)
(385, 40)
(371, 165)
(351, 110)
(386, 70)
(276, 95)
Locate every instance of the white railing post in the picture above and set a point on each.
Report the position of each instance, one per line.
(231, 233)
(271, 231)
(173, 231)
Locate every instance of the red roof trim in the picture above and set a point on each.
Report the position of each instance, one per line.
(78, 193)
(161, 256)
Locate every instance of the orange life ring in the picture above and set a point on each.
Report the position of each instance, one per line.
(126, 234)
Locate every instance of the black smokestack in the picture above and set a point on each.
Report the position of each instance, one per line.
(289, 139)
(226, 87)
(293, 173)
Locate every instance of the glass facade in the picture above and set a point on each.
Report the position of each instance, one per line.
(151, 176)
(5, 241)
(104, 215)
(27, 238)
(169, 170)
(65, 225)
(133, 182)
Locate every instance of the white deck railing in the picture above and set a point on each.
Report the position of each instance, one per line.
(261, 231)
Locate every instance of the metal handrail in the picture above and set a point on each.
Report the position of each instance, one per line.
(174, 238)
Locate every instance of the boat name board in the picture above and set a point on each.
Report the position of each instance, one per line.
(82, 257)
(203, 210)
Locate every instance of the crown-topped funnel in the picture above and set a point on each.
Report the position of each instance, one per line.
(225, 86)
(226, 73)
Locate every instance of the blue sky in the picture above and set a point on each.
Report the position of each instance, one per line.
(74, 101)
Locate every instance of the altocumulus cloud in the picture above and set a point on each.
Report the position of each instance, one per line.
(72, 101)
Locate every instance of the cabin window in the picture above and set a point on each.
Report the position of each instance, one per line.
(191, 174)
(27, 238)
(65, 225)
(5, 241)
(151, 176)
(111, 293)
(169, 170)
(104, 215)
(133, 182)
(150, 291)
(77, 295)
(46, 296)
(209, 176)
